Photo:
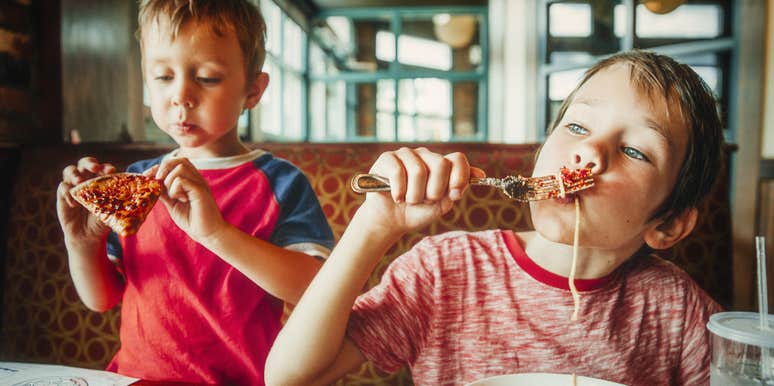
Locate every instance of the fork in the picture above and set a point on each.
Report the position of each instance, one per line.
(516, 187)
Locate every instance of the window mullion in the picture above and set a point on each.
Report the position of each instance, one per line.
(629, 37)
(282, 75)
(397, 29)
(452, 115)
(304, 76)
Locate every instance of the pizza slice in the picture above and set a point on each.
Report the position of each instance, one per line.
(120, 200)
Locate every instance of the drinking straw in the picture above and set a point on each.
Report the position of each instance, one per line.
(763, 304)
(763, 295)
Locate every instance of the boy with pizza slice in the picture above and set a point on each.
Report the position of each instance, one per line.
(203, 280)
(464, 306)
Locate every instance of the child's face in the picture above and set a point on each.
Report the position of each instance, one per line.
(635, 150)
(197, 83)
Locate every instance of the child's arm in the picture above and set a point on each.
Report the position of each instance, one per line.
(281, 272)
(313, 348)
(96, 279)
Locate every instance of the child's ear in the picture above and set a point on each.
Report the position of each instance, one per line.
(256, 89)
(666, 234)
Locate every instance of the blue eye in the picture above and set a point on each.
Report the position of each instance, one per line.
(634, 153)
(577, 129)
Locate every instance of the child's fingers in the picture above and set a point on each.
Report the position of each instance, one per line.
(176, 189)
(63, 191)
(183, 179)
(477, 172)
(420, 175)
(416, 175)
(174, 183)
(90, 164)
(389, 166)
(167, 166)
(167, 201)
(438, 174)
(108, 169)
(151, 172)
(459, 174)
(71, 176)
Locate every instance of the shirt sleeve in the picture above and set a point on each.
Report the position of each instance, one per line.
(390, 323)
(302, 225)
(114, 245)
(696, 351)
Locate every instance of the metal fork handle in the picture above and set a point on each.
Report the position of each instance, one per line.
(364, 183)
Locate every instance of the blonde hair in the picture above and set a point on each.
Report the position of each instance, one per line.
(241, 16)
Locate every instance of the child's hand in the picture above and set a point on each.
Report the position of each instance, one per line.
(77, 223)
(187, 198)
(423, 187)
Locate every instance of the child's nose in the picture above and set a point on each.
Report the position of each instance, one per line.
(590, 157)
(182, 102)
(183, 97)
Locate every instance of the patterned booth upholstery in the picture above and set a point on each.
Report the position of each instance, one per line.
(42, 319)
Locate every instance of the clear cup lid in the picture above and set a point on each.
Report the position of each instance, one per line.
(742, 327)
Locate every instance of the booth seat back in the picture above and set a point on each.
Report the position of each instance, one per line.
(44, 321)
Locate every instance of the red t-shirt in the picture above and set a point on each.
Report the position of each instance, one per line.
(186, 314)
(463, 306)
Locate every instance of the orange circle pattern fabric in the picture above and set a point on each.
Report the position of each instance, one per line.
(44, 321)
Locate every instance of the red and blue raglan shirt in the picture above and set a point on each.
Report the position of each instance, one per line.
(186, 314)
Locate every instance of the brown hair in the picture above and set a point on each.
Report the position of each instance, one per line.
(683, 89)
(244, 18)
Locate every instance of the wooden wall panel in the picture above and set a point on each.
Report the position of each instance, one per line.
(766, 222)
(9, 159)
(30, 76)
(47, 73)
(98, 61)
(14, 15)
(746, 116)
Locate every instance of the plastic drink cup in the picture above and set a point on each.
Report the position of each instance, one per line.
(742, 352)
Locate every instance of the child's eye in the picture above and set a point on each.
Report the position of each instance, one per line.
(577, 129)
(634, 153)
(163, 78)
(207, 80)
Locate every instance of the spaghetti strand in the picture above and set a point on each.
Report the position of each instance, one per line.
(571, 279)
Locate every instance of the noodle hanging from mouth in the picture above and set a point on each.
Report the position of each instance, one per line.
(571, 279)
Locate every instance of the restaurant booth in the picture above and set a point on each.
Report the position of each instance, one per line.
(44, 321)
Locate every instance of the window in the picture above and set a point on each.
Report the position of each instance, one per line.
(281, 113)
(575, 34)
(398, 74)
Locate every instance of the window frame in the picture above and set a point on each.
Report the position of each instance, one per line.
(480, 75)
(254, 129)
(725, 47)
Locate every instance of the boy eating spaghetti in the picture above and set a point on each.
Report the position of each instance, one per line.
(462, 306)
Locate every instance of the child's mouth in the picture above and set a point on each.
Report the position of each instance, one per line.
(183, 128)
